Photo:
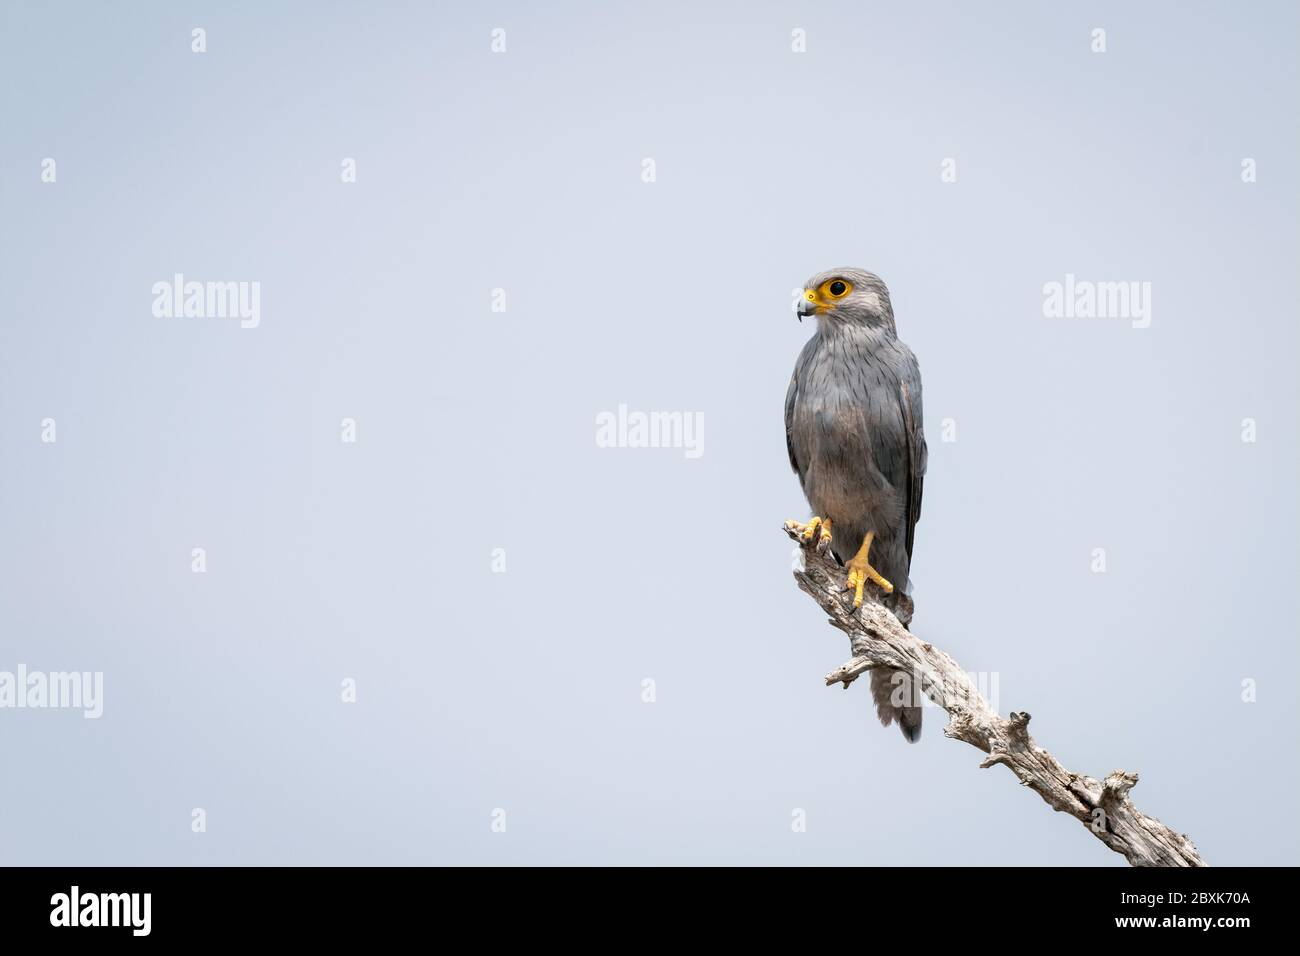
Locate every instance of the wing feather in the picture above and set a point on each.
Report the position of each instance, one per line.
(909, 394)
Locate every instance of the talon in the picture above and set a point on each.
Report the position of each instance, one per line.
(819, 527)
(860, 571)
(824, 537)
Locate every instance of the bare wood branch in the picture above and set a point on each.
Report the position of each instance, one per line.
(878, 639)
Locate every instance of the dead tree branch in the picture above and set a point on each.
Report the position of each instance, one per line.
(878, 639)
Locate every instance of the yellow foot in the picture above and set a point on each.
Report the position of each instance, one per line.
(819, 528)
(860, 572)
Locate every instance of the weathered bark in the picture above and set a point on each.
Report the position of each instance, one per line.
(878, 639)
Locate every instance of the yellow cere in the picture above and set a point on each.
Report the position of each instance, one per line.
(828, 292)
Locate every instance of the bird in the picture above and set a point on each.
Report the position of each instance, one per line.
(855, 436)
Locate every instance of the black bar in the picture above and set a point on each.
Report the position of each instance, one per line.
(209, 905)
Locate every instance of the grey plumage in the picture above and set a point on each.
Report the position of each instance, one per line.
(854, 433)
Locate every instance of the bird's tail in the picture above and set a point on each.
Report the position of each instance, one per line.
(894, 696)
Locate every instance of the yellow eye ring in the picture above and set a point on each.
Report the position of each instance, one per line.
(837, 288)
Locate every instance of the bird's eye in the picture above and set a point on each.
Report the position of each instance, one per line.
(838, 288)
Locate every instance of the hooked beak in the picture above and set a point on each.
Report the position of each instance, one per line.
(807, 304)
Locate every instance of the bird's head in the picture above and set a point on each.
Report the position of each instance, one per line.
(849, 296)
